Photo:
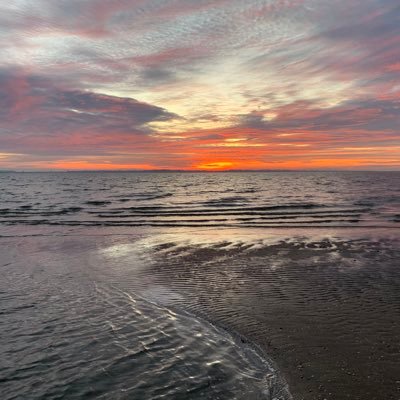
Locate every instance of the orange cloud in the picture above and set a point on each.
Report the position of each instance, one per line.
(206, 85)
(81, 165)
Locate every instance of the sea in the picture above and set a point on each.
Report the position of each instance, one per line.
(200, 285)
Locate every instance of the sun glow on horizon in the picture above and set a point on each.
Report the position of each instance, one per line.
(215, 165)
(200, 85)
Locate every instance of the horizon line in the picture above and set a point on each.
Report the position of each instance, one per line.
(195, 170)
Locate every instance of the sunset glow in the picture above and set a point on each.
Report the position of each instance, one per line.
(215, 165)
(199, 85)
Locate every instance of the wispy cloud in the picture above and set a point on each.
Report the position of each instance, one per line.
(191, 84)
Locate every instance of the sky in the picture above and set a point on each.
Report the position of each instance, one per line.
(199, 84)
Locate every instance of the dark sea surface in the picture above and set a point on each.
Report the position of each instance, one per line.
(264, 285)
(291, 199)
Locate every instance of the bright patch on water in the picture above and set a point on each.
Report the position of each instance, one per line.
(71, 337)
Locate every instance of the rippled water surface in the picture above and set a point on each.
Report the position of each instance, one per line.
(200, 286)
(72, 335)
(201, 199)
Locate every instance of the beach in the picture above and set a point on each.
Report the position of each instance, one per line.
(199, 312)
(199, 200)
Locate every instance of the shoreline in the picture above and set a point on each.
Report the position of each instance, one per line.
(315, 303)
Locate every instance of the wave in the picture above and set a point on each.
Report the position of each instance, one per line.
(98, 202)
(187, 200)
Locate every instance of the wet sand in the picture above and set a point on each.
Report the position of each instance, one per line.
(323, 305)
(325, 310)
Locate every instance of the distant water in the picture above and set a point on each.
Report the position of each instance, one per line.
(200, 286)
(290, 199)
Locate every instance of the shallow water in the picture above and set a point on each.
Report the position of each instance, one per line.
(71, 334)
(95, 306)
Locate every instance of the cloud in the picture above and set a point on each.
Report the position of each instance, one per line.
(171, 82)
(370, 115)
(33, 109)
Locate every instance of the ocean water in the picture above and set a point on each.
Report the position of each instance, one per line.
(200, 285)
(291, 199)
